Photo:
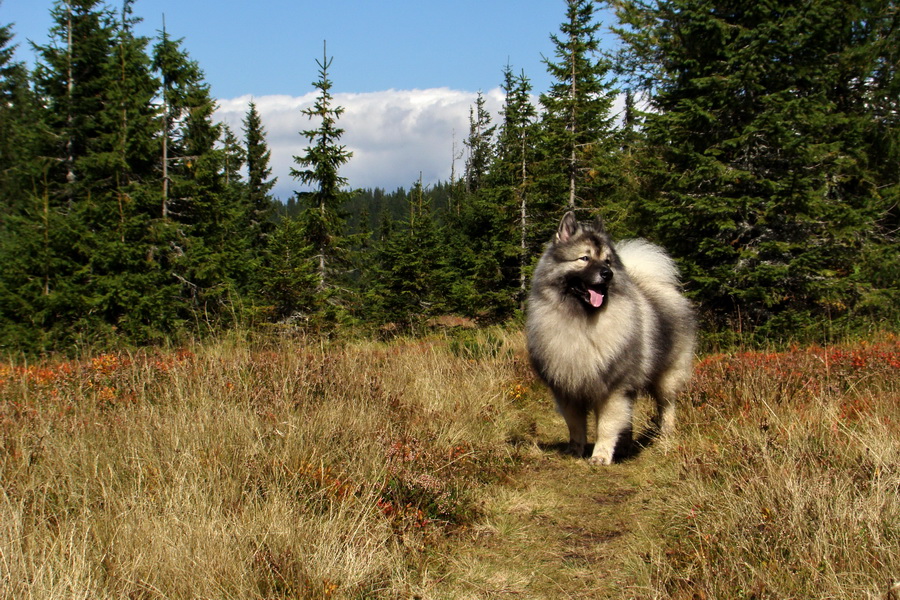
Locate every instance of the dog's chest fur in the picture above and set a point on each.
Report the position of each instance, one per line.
(571, 350)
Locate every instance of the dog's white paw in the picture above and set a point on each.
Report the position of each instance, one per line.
(601, 457)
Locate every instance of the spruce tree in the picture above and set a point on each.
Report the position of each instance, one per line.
(479, 145)
(73, 76)
(132, 286)
(514, 166)
(577, 124)
(490, 226)
(319, 168)
(259, 180)
(196, 199)
(471, 230)
(81, 242)
(287, 281)
(240, 258)
(233, 158)
(408, 282)
(186, 131)
(97, 94)
(23, 240)
(18, 118)
(763, 123)
(259, 207)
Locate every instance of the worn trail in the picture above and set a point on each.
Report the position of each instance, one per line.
(555, 529)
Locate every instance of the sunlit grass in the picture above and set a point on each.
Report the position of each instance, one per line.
(296, 468)
(783, 480)
(281, 471)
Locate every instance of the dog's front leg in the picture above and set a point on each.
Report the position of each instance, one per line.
(576, 419)
(613, 420)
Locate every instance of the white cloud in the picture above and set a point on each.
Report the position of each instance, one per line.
(394, 135)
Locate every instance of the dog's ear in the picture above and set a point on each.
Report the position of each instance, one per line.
(567, 227)
(598, 225)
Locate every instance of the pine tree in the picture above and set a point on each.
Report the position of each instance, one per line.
(130, 286)
(287, 274)
(513, 169)
(479, 145)
(23, 244)
(576, 121)
(18, 117)
(259, 178)
(408, 282)
(319, 168)
(762, 123)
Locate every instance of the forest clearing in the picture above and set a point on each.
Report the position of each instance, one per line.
(196, 399)
(432, 468)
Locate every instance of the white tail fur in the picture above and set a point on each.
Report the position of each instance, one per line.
(647, 262)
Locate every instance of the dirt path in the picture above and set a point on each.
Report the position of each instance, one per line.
(555, 529)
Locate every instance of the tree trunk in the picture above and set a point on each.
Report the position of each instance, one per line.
(572, 129)
(70, 88)
(523, 220)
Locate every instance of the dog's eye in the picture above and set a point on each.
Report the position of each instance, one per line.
(585, 258)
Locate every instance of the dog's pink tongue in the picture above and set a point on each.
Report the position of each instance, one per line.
(596, 298)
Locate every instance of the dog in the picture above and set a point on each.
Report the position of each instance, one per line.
(604, 323)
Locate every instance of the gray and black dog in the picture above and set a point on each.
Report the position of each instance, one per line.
(605, 322)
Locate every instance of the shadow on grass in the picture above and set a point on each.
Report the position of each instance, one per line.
(627, 449)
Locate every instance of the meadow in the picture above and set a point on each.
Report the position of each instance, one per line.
(291, 467)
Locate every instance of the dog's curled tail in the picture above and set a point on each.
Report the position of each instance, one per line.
(647, 263)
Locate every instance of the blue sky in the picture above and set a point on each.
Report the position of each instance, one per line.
(384, 52)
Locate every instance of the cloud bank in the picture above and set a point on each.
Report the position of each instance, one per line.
(394, 135)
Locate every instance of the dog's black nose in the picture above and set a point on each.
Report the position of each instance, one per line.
(599, 275)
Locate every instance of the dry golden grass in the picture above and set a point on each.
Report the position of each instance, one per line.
(782, 482)
(300, 469)
(293, 470)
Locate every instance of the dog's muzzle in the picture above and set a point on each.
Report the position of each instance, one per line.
(592, 286)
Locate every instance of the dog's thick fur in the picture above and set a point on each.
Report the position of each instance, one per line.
(604, 323)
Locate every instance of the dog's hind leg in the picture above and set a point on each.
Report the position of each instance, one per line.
(664, 419)
(576, 419)
(665, 393)
(613, 420)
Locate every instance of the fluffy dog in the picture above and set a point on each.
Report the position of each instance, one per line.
(605, 322)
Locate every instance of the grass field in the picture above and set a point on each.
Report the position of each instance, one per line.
(431, 468)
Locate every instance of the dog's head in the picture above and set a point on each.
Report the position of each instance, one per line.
(586, 261)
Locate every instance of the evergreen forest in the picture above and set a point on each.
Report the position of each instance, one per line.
(759, 144)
